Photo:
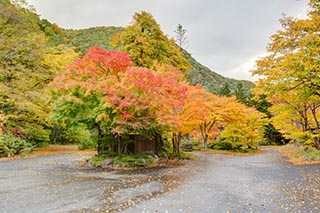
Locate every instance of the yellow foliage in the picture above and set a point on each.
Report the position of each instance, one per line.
(246, 128)
(291, 77)
(56, 58)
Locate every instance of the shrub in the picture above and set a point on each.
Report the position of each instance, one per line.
(237, 147)
(12, 145)
(186, 147)
(221, 145)
(139, 160)
(87, 144)
(181, 155)
(228, 146)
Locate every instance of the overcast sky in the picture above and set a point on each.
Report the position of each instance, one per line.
(225, 35)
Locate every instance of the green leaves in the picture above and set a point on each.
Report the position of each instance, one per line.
(146, 44)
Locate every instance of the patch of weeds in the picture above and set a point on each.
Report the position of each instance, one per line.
(181, 155)
(299, 155)
(138, 160)
(312, 154)
(97, 159)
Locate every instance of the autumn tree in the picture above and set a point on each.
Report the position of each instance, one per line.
(246, 129)
(291, 77)
(83, 89)
(24, 73)
(146, 44)
(213, 118)
(191, 115)
(103, 92)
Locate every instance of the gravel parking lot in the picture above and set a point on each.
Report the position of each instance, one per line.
(214, 183)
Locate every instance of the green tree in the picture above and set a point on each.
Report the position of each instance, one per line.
(241, 95)
(225, 90)
(146, 44)
(271, 134)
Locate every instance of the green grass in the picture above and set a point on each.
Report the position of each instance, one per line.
(138, 160)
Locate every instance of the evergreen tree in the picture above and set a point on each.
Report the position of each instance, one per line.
(180, 36)
(225, 90)
(240, 94)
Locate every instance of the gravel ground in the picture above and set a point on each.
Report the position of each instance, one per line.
(255, 183)
(214, 183)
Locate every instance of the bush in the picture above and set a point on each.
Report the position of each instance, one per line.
(181, 155)
(221, 145)
(139, 160)
(237, 147)
(187, 147)
(87, 144)
(196, 144)
(12, 145)
(228, 146)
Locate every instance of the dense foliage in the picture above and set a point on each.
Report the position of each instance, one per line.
(212, 81)
(291, 78)
(146, 44)
(12, 145)
(27, 65)
(103, 97)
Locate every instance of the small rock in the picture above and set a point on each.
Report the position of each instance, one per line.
(107, 163)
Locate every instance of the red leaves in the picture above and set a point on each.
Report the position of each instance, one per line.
(126, 115)
(106, 61)
(99, 63)
(139, 97)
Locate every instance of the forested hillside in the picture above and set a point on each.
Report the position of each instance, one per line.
(212, 81)
(83, 39)
(97, 92)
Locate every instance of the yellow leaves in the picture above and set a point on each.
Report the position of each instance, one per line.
(73, 99)
(291, 75)
(56, 58)
(103, 118)
(146, 44)
(243, 124)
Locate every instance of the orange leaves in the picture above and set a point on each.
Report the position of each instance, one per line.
(132, 100)
(105, 61)
(137, 97)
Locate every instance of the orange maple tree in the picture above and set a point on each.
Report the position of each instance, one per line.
(127, 100)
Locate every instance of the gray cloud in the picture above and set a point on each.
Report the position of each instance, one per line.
(224, 35)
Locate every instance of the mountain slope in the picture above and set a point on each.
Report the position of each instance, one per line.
(83, 39)
(211, 80)
(95, 36)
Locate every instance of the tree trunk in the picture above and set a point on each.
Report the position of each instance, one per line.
(99, 143)
(179, 141)
(176, 140)
(119, 145)
(205, 142)
(56, 134)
